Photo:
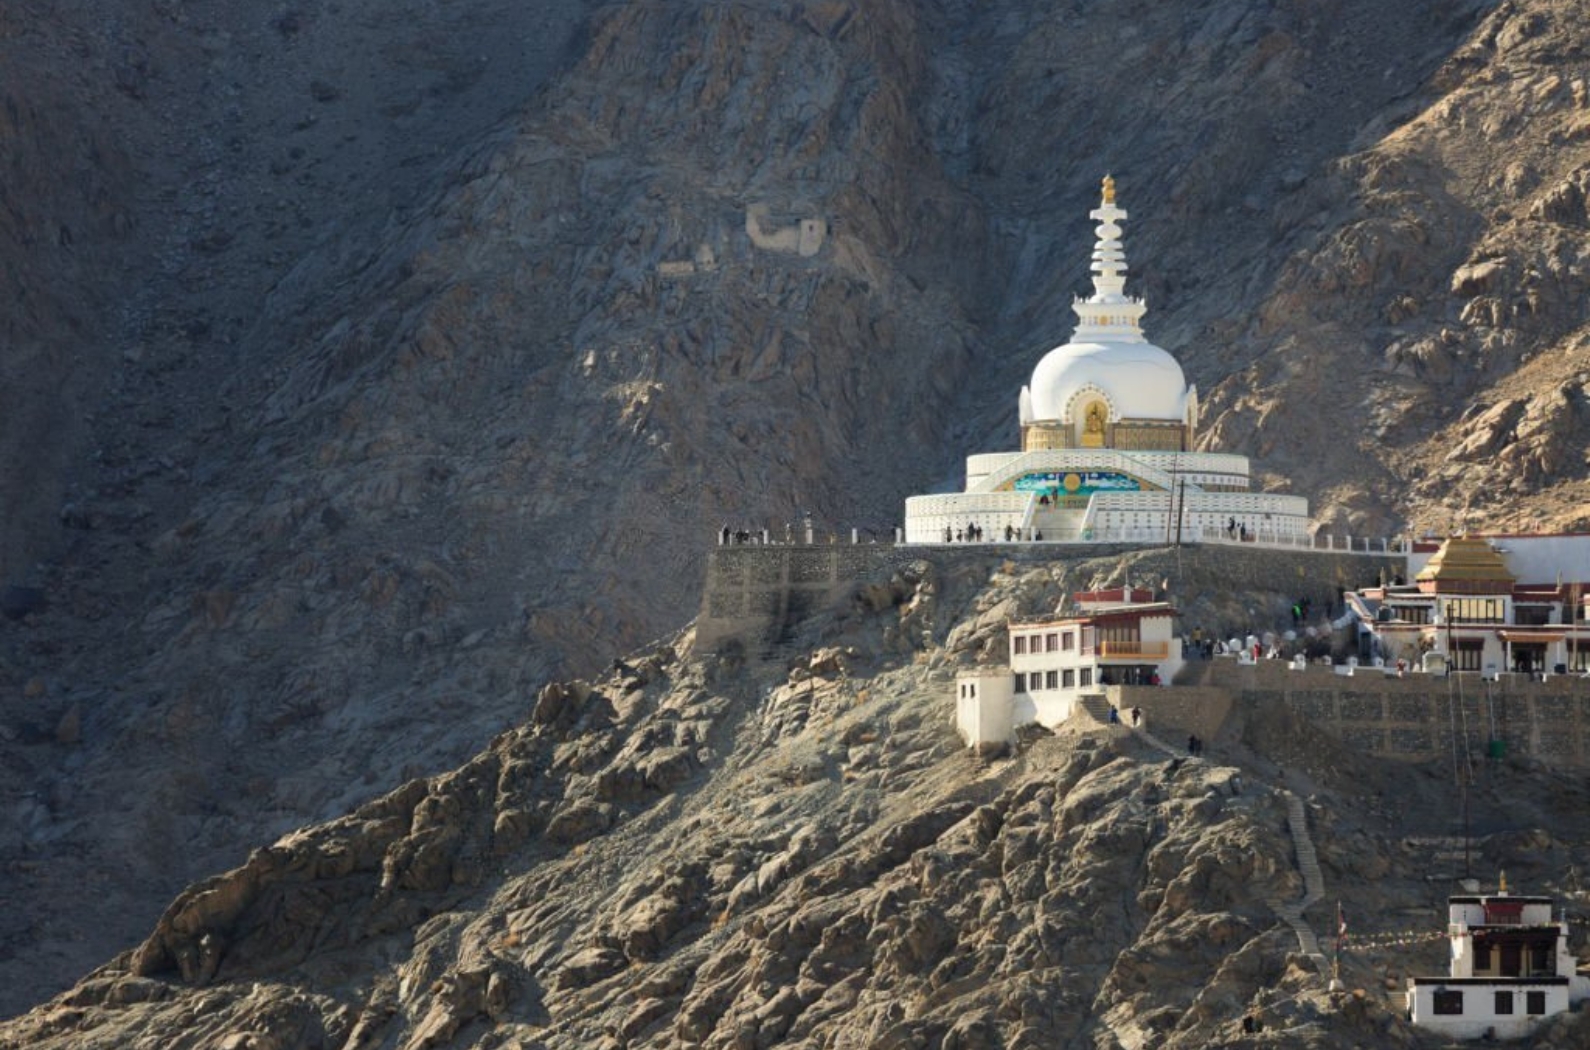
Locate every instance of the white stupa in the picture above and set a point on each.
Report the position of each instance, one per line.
(1107, 429)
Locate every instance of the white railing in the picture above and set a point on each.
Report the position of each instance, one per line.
(1370, 546)
(1367, 546)
(1027, 515)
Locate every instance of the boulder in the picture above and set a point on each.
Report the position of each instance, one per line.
(589, 965)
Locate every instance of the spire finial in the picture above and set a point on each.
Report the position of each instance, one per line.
(1503, 889)
(1109, 189)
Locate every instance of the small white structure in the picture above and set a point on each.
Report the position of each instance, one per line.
(983, 708)
(1510, 970)
(1120, 637)
(1108, 425)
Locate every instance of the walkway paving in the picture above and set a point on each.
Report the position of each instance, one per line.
(1313, 883)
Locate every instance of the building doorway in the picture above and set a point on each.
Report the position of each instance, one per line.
(1528, 658)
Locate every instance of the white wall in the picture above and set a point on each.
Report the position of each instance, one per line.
(983, 708)
(1479, 1008)
(926, 516)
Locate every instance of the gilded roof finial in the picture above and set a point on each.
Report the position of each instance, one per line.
(1109, 189)
(1503, 890)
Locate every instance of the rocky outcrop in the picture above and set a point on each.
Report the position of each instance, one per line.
(1088, 890)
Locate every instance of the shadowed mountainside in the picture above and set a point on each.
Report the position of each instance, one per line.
(374, 363)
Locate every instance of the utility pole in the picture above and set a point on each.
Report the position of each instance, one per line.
(1170, 509)
(1181, 511)
(1573, 627)
(1467, 873)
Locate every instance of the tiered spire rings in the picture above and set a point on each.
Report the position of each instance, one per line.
(1109, 313)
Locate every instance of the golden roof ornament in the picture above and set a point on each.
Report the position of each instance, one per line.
(1465, 564)
(1109, 189)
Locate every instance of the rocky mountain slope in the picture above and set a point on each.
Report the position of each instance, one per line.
(709, 850)
(370, 364)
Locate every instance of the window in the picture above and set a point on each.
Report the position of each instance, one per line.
(1021, 682)
(1467, 654)
(1087, 677)
(1474, 610)
(1535, 1003)
(1068, 641)
(1051, 680)
(1069, 679)
(1054, 642)
(1021, 644)
(1448, 1001)
(1504, 1003)
(1125, 635)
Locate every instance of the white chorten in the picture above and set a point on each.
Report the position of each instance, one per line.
(1107, 430)
(1108, 360)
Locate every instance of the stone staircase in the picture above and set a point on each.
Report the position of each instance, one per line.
(1290, 912)
(1094, 706)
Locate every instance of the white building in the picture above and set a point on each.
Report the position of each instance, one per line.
(1499, 604)
(983, 707)
(1120, 637)
(1108, 425)
(1510, 970)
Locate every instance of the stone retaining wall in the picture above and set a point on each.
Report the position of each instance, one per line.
(1418, 718)
(1174, 712)
(757, 593)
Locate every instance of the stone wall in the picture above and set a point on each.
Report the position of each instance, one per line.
(758, 593)
(1172, 713)
(1419, 717)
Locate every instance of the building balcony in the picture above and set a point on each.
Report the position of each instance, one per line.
(1133, 650)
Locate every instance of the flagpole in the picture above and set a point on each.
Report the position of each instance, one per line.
(1336, 961)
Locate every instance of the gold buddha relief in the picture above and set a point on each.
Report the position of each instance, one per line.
(1093, 420)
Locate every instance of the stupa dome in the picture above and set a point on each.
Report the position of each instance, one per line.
(1139, 380)
(1108, 353)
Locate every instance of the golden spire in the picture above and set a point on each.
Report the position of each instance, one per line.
(1503, 890)
(1109, 189)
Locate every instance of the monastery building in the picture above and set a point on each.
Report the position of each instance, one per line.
(1510, 969)
(1497, 605)
(1121, 636)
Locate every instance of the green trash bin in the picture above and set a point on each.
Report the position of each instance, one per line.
(1498, 749)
